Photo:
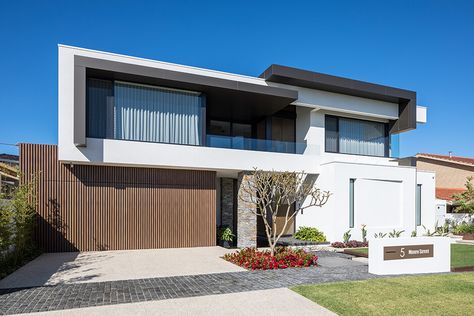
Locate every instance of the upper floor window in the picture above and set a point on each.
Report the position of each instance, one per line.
(358, 137)
(128, 111)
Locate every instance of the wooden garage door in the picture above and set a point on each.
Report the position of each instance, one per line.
(83, 207)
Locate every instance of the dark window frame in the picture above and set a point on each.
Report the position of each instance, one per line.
(386, 136)
(109, 130)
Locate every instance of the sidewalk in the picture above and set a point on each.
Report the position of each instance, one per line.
(267, 302)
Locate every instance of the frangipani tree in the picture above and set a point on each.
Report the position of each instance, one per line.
(273, 193)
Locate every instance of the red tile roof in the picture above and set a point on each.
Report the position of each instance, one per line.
(9, 157)
(454, 159)
(447, 193)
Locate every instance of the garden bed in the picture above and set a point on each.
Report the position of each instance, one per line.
(467, 236)
(253, 259)
(291, 241)
(350, 244)
(462, 269)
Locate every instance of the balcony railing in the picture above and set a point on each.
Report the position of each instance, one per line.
(238, 142)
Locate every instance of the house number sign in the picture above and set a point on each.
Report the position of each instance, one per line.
(407, 252)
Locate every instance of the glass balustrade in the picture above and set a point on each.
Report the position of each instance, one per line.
(238, 142)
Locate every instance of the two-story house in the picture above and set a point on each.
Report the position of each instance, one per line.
(152, 154)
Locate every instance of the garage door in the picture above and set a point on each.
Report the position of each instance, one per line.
(86, 208)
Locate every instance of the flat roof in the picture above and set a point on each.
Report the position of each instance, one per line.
(315, 80)
(204, 79)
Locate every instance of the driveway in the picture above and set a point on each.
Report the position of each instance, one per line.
(100, 266)
(333, 267)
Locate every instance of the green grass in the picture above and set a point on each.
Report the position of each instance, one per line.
(360, 250)
(446, 294)
(461, 255)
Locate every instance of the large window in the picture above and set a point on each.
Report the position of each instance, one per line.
(122, 110)
(358, 137)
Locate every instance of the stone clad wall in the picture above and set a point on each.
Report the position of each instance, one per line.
(227, 202)
(246, 220)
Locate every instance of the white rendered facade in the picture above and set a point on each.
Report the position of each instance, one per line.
(384, 193)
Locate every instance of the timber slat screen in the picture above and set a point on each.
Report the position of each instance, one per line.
(86, 208)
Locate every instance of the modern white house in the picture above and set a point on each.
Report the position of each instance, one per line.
(150, 144)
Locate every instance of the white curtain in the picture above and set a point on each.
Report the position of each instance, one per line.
(152, 114)
(361, 137)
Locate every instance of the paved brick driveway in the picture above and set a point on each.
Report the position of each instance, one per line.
(68, 296)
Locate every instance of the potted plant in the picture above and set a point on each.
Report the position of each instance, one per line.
(225, 236)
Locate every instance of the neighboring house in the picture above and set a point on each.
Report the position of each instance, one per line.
(451, 173)
(8, 173)
(153, 154)
(9, 159)
(8, 179)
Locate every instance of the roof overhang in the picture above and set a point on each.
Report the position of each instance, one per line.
(226, 98)
(232, 95)
(302, 78)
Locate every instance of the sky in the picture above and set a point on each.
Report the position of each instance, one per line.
(425, 46)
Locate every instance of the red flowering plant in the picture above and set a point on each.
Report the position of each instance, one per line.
(253, 259)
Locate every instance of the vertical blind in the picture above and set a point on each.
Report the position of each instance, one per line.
(351, 136)
(147, 113)
(361, 137)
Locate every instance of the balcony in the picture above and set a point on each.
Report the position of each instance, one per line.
(221, 159)
(243, 143)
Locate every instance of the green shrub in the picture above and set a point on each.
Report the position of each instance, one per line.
(224, 233)
(395, 233)
(464, 229)
(309, 234)
(17, 219)
(6, 225)
(347, 236)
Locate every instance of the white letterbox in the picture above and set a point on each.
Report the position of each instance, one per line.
(409, 255)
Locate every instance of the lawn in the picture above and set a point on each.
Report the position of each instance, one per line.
(364, 251)
(461, 255)
(446, 294)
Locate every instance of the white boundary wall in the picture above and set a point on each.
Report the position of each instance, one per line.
(440, 262)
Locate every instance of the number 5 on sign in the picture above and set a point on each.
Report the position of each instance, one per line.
(402, 252)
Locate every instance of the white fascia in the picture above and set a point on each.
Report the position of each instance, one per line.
(77, 51)
(341, 103)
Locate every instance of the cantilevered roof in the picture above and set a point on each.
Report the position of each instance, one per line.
(315, 80)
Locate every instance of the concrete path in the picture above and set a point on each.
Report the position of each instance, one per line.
(266, 302)
(100, 266)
